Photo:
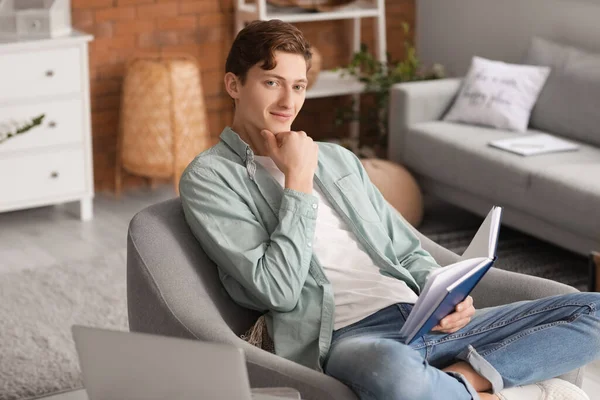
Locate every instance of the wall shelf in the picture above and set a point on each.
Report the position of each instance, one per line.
(331, 83)
(360, 9)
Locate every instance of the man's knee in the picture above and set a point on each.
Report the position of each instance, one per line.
(590, 300)
(594, 298)
(380, 369)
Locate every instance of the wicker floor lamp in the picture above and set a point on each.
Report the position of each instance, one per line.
(163, 123)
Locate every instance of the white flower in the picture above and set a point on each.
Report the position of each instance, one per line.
(438, 70)
(12, 127)
(14, 124)
(5, 128)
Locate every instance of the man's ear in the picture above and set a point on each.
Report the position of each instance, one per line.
(232, 85)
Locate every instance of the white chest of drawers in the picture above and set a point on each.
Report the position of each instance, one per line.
(52, 163)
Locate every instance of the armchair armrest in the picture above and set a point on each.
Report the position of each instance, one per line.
(501, 287)
(413, 102)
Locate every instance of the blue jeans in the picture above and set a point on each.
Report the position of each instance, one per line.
(510, 345)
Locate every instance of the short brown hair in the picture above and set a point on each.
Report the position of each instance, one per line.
(259, 41)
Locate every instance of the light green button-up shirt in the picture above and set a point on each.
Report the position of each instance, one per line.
(260, 234)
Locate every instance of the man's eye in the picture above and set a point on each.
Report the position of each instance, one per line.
(271, 83)
(300, 87)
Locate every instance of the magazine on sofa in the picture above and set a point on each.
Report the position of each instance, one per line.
(530, 145)
(448, 286)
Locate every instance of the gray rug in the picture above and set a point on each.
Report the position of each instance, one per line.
(453, 228)
(38, 308)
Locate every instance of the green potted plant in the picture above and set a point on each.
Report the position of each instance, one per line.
(11, 129)
(378, 77)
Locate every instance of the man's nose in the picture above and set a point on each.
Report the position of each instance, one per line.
(287, 98)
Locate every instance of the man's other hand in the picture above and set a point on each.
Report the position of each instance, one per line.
(459, 318)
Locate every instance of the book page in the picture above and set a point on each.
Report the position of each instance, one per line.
(485, 240)
(494, 232)
(453, 272)
(469, 274)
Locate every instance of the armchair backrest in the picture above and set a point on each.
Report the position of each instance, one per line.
(167, 265)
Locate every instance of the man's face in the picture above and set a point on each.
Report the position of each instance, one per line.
(272, 99)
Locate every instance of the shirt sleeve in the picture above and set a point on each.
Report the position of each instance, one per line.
(259, 270)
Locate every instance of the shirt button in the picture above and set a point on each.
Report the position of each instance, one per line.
(310, 245)
(314, 206)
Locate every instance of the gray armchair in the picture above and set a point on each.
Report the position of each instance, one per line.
(173, 289)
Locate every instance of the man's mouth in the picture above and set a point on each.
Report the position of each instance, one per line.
(281, 116)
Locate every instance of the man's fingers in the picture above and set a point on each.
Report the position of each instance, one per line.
(456, 317)
(459, 318)
(459, 324)
(452, 327)
(469, 301)
(270, 139)
(466, 303)
(282, 138)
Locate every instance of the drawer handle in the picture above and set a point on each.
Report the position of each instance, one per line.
(54, 175)
(52, 124)
(49, 73)
(36, 24)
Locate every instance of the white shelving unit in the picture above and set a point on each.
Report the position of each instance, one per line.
(329, 83)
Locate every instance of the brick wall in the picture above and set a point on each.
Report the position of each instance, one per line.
(203, 28)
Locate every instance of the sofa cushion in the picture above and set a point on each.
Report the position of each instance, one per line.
(570, 195)
(568, 103)
(498, 94)
(459, 155)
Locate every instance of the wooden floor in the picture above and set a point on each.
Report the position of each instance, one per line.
(44, 236)
(41, 237)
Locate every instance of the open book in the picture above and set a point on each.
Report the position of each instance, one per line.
(530, 145)
(448, 286)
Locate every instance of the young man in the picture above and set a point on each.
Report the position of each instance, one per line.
(299, 232)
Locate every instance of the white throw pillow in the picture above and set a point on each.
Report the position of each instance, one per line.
(498, 94)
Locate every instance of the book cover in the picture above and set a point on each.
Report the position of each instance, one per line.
(454, 295)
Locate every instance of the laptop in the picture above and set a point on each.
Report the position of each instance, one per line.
(138, 366)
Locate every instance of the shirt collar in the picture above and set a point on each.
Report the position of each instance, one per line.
(241, 148)
(233, 140)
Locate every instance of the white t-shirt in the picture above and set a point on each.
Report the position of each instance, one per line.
(359, 289)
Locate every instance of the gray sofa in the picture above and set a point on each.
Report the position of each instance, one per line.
(555, 197)
(173, 289)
